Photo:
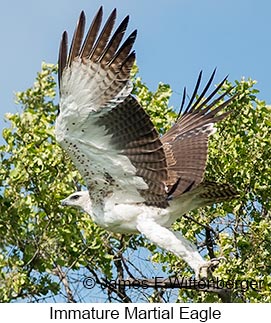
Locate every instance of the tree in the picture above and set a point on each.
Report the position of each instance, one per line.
(53, 253)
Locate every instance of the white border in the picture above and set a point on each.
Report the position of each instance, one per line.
(56, 312)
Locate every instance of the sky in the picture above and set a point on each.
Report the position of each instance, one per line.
(176, 39)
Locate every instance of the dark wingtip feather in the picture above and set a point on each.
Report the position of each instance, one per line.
(77, 38)
(134, 34)
(113, 44)
(199, 104)
(194, 93)
(204, 91)
(63, 52)
(123, 25)
(131, 38)
(112, 16)
(114, 12)
(99, 13)
(82, 15)
(205, 102)
(132, 56)
(124, 51)
(129, 61)
(182, 104)
(92, 33)
(104, 36)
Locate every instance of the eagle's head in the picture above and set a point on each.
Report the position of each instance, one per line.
(79, 200)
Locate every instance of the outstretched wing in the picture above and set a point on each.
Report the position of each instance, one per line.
(186, 143)
(102, 127)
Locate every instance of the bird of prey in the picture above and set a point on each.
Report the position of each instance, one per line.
(137, 181)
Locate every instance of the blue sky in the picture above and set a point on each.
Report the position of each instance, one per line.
(176, 39)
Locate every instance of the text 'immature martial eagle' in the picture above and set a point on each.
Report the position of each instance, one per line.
(137, 181)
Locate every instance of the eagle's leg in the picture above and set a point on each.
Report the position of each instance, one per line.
(171, 241)
(205, 268)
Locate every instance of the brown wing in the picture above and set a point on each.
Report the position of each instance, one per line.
(108, 135)
(134, 135)
(186, 143)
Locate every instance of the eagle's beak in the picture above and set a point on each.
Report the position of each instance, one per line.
(64, 202)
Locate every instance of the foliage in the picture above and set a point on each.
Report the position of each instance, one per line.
(37, 234)
(47, 250)
(240, 231)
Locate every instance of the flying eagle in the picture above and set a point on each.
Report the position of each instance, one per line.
(137, 181)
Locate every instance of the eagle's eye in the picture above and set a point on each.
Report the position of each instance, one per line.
(75, 197)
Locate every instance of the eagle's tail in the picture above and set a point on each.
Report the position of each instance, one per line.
(206, 193)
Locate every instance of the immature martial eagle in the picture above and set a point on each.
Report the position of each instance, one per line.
(138, 182)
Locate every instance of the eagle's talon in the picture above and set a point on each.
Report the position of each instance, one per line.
(208, 267)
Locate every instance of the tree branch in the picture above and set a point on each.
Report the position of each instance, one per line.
(63, 278)
(177, 282)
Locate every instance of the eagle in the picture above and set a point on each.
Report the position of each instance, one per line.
(137, 180)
